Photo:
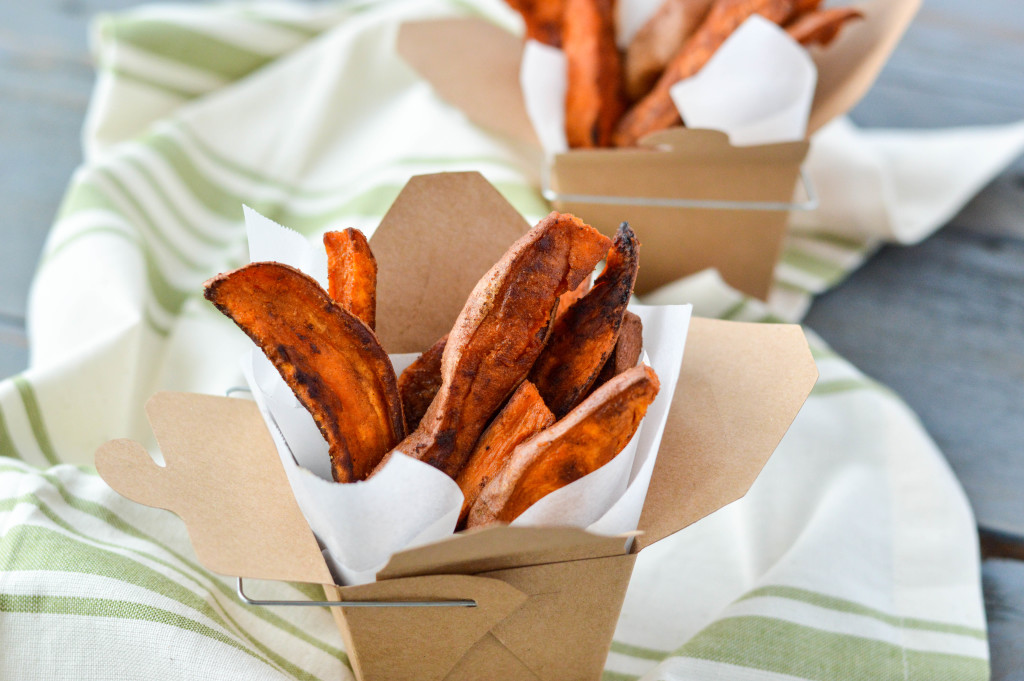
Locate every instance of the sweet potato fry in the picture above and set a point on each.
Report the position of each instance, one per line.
(522, 417)
(566, 300)
(658, 41)
(656, 111)
(593, 99)
(627, 349)
(589, 437)
(543, 19)
(420, 382)
(352, 274)
(804, 6)
(821, 27)
(499, 334)
(583, 338)
(331, 360)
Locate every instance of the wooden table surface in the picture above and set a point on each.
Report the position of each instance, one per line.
(942, 323)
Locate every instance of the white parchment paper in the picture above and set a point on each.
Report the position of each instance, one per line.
(757, 88)
(408, 503)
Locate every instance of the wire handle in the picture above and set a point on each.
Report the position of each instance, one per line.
(357, 604)
(810, 203)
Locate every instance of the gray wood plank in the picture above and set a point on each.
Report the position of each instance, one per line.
(13, 348)
(1003, 582)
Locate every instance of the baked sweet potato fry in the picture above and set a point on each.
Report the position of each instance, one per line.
(594, 98)
(420, 382)
(331, 360)
(522, 417)
(583, 338)
(566, 300)
(589, 437)
(543, 19)
(658, 41)
(656, 111)
(352, 274)
(627, 349)
(821, 27)
(499, 334)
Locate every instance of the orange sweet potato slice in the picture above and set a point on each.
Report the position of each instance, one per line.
(583, 338)
(586, 439)
(627, 349)
(593, 99)
(567, 300)
(658, 41)
(522, 417)
(821, 27)
(656, 111)
(420, 382)
(543, 19)
(352, 274)
(330, 359)
(499, 334)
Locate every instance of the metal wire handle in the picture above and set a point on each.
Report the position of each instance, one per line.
(358, 604)
(810, 203)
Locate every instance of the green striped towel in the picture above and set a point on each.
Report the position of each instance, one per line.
(853, 557)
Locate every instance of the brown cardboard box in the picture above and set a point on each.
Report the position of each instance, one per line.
(743, 238)
(547, 599)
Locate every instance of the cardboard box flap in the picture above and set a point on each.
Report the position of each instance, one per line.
(740, 387)
(223, 477)
(473, 65)
(422, 644)
(726, 173)
(848, 67)
(499, 548)
(438, 239)
(574, 606)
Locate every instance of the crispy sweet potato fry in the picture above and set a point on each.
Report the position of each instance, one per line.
(656, 111)
(352, 274)
(331, 360)
(593, 98)
(583, 338)
(589, 437)
(499, 334)
(543, 19)
(627, 349)
(658, 41)
(803, 6)
(566, 300)
(821, 27)
(522, 417)
(420, 382)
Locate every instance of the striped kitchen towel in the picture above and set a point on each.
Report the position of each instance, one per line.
(854, 556)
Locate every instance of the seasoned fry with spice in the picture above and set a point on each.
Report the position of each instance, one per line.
(586, 439)
(656, 111)
(658, 41)
(499, 334)
(522, 417)
(352, 274)
(568, 299)
(420, 382)
(583, 338)
(331, 360)
(594, 98)
(821, 27)
(543, 19)
(627, 349)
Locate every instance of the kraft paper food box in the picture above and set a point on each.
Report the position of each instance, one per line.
(737, 199)
(546, 598)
